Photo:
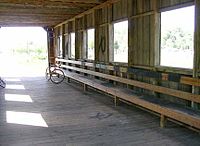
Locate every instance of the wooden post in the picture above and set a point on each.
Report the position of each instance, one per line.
(115, 74)
(76, 39)
(68, 80)
(84, 87)
(163, 121)
(96, 26)
(116, 100)
(51, 49)
(196, 68)
(155, 53)
(121, 74)
(63, 41)
(110, 34)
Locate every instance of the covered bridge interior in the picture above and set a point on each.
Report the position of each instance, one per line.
(118, 89)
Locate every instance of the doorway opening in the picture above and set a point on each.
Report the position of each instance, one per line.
(23, 51)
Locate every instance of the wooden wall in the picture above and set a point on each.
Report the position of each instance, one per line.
(144, 29)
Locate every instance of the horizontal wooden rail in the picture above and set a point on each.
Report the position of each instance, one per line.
(190, 81)
(163, 76)
(142, 15)
(174, 114)
(159, 89)
(69, 61)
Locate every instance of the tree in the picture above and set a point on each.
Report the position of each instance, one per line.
(177, 38)
(116, 46)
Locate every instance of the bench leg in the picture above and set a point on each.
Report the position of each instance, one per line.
(68, 80)
(84, 87)
(163, 121)
(114, 82)
(116, 100)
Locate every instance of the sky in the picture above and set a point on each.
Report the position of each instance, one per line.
(185, 18)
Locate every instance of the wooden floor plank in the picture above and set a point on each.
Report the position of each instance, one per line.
(75, 117)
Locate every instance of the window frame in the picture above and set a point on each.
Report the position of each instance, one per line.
(86, 48)
(111, 44)
(60, 48)
(70, 45)
(172, 69)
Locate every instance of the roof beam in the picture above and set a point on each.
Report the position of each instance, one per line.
(64, 15)
(42, 12)
(53, 1)
(48, 5)
(38, 10)
(31, 18)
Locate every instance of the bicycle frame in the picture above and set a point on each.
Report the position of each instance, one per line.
(54, 73)
(2, 83)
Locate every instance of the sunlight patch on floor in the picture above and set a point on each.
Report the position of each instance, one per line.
(15, 87)
(25, 118)
(12, 79)
(18, 97)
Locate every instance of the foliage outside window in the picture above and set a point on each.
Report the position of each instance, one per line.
(72, 45)
(177, 40)
(90, 44)
(120, 43)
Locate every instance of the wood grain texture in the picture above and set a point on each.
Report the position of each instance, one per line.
(78, 118)
(190, 117)
(159, 89)
(165, 77)
(144, 40)
(41, 13)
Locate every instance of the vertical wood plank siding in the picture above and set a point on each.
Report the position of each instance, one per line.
(144, 18)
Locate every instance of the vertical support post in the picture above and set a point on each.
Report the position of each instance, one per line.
(84, 45)
(66, 37)
(128, 77)
(109, 40)
(163, 121)
(195, 90)
(155, 34)
(84, 87)
(121, 74)
(110, 34)
(63, 41)
(68, 80)
(116, 100)
(50, 45)
(96, 27)
(115, 74)
(77, 51)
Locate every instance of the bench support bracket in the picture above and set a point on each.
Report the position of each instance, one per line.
(68, 80)
(163, 121)
(84, 87)
(116, 100)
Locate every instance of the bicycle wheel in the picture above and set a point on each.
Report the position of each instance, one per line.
(2, 83)
(47, 73)
(57, 76)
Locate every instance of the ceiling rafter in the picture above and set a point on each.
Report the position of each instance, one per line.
(51, 5)
(42, 12)
(53, 1)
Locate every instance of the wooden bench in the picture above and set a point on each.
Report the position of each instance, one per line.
(76, 70)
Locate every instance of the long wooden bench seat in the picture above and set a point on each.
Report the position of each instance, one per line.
(165, 108)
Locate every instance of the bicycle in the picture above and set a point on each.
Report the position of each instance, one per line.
(2, 83)
(55, 74)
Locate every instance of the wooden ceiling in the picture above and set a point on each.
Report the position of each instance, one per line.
(41, 12)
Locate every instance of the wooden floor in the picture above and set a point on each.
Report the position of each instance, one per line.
(68, 116)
